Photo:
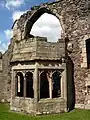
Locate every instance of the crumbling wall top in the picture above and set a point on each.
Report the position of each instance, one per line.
(37, 48)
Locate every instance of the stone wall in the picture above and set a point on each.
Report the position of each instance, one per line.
(37, 105)
(74, 17)
(1, 78)
(38, 48)
(47, 106)
(5, 75)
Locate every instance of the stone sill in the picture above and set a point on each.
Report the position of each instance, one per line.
(24, 98)
(59, 99)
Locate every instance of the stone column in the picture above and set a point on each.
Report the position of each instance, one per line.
(50, 88)
(64, 88)
(49, 77)
(35, 80)
(18, 83)
(64, 85)
(12, 85)
(39, 86)
(15, 84)
(24, 85)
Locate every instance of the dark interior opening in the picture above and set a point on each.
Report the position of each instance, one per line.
(70, 85)
(19, 84)
(29, 85)
(88, 52)
(44, 86)
(88, 89)
(56, 92)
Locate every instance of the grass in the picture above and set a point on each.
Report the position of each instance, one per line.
(77, 114)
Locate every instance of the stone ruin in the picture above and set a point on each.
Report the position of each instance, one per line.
(41, 77)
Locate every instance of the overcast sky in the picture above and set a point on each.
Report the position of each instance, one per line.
(10, 10)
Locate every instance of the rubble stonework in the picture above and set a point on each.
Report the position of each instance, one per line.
(27, 51)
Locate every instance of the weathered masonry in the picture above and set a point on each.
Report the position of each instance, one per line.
(41, 77)
(39, 81)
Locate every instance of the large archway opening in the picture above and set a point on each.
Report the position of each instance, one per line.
(48, 26)
(44, 23)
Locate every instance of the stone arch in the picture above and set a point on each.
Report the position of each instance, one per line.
(56, 71)
(19, 84)
(29, 84)
(44, 85)
(34, 17)
(56, 92)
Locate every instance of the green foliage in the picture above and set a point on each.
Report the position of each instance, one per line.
(76, 114)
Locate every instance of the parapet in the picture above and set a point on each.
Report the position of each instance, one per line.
(37, 48)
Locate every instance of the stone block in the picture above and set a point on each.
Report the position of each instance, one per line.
(84, 59)
(80, 106)
(83, 44)
(83, 50)
(88, 76)
(87, 106)
(87, 83)
(84, 54)
(84, 65)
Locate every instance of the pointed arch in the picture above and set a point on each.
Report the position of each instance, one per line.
(35, 16)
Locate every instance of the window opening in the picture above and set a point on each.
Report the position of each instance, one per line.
(44, 86)
(88, 52)
(19, 84)
(56, 85)
(88, 90)
(29, 85)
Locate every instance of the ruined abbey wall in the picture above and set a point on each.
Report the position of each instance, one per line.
(5, 75)
(74, 16)
(74, 19)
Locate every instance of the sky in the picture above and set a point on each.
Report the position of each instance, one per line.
(10, 10)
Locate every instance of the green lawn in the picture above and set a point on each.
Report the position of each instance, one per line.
(5, 114)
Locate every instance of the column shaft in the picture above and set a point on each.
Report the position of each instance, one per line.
(36, 93)
(24, 85)
(50, 88)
